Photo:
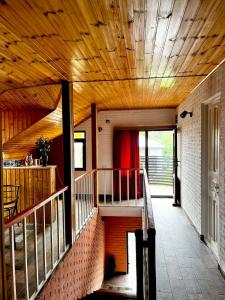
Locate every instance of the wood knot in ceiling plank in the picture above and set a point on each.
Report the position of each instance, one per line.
(53, 12)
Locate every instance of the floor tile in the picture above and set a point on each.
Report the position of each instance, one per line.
(164, 296)
(187, 273)
(186, 267)
(192, 286)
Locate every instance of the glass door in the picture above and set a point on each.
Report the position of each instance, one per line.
(157, 156)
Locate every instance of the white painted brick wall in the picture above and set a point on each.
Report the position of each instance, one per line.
(191, 161)
(191, 153)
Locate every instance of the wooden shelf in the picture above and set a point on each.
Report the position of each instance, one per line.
(30, 167)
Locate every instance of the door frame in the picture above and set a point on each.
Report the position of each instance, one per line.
(173, 129)
(204, 168)
(176, 183)
(127, 248)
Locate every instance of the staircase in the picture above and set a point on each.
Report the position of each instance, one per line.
(107, 295)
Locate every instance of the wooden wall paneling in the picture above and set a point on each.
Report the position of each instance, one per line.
(6, 128)
(48, 126)
(45, 192)
(20, 121)
(22, 194)
(40, 183)
(30, 186)
(14, 122)
(2, 126)
(35, 183)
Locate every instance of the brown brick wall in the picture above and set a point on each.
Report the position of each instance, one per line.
(81, 271)
(116, 229)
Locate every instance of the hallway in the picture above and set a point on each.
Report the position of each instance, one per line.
(186, 268)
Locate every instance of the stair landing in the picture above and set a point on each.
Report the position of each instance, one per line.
(108, 295)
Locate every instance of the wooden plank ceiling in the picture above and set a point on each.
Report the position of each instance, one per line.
(119, 53)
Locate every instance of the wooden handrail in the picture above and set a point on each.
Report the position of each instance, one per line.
(149, 232)
(106, 169)
(28, 211)
(84, 175)
(149, 210)
(117, 169)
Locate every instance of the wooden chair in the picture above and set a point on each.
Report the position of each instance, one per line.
(10, 200)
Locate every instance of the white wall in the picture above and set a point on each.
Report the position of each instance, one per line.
(190, 131)
(128, 119)
(119, 118)
(192, 180)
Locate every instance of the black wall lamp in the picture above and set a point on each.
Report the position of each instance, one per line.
(185, 113)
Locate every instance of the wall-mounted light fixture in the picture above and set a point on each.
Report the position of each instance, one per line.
(185, 113)
(99, 129)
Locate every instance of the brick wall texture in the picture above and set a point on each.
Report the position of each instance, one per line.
(82, 270)
(116, 229)
(192, 151)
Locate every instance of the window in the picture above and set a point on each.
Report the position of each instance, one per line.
(80, 150)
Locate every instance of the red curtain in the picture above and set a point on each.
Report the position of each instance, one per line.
(126, 155)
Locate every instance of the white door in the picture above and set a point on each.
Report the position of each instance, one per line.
(213, 175)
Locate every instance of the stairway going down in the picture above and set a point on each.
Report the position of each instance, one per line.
(105, 294)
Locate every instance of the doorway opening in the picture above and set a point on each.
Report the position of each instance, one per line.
(131, 255)
(125, 283)
(131, 261)
(157, 157)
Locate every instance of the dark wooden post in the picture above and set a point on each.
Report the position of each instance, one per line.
(94, 150)
(139, 263)
(146, 151)
(68, 149)
(175, 166)
(151, 263)
(2, 242)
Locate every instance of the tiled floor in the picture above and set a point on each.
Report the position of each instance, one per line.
(161, 190)
(186, 268)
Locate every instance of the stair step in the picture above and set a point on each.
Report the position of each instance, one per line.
(107, 295)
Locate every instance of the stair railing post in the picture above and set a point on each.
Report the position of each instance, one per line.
(151, 263)
(94, 139)
(68, 151)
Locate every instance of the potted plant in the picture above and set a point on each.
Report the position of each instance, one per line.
(43, 147)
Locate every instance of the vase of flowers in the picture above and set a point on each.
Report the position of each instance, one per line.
(43, 147)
